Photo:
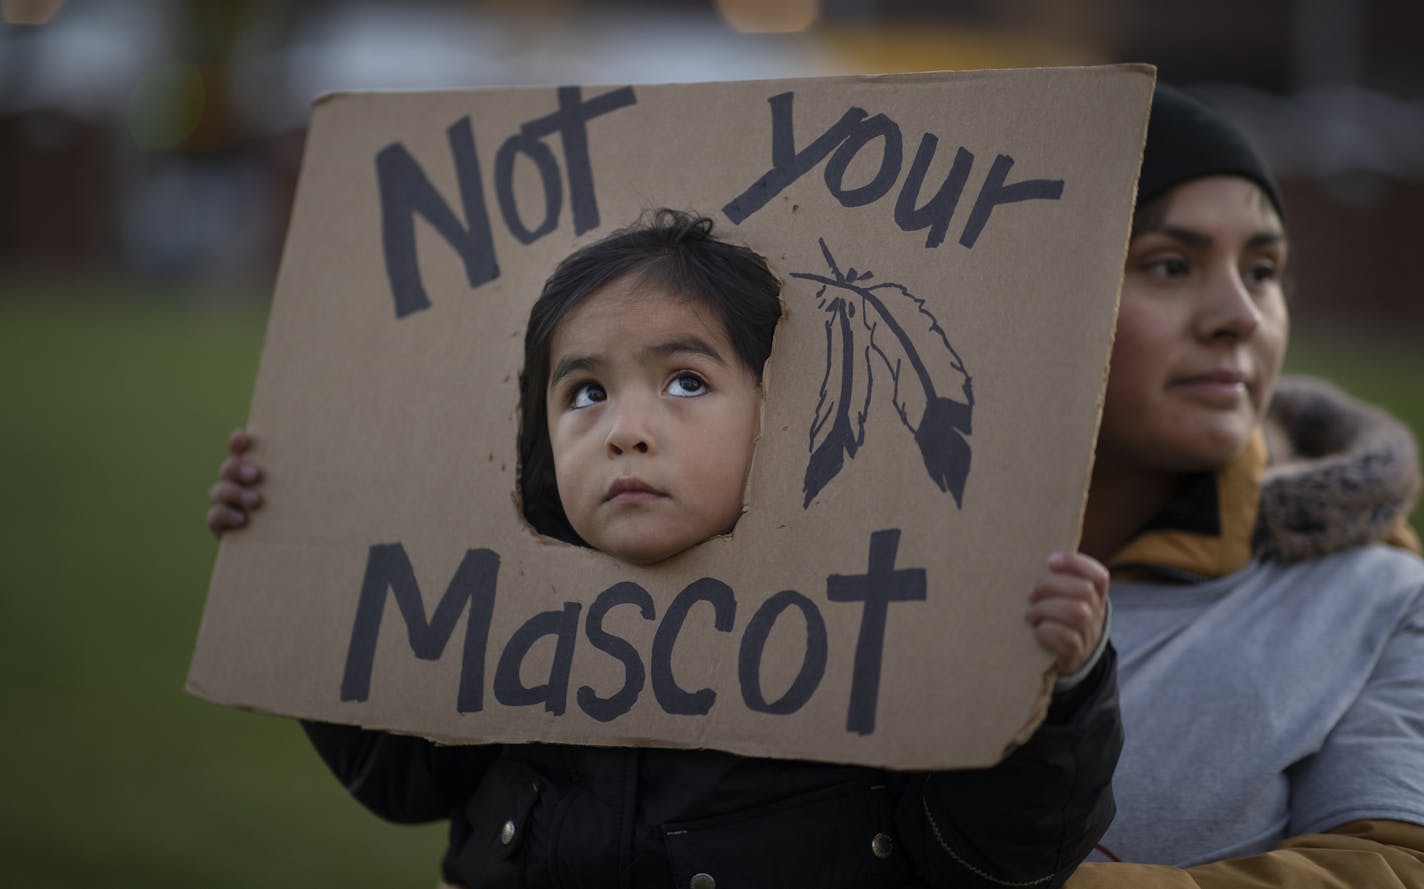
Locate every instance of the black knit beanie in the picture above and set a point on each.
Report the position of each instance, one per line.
(1187, 140)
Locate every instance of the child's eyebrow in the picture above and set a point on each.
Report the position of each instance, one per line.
(572, 364)
(692, 344)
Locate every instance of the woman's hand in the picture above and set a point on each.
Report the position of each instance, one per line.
(235, 493)
(1066, 609)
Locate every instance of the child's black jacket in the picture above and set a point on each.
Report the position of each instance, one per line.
(537, 815)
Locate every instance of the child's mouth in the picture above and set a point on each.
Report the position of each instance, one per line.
(631, 490)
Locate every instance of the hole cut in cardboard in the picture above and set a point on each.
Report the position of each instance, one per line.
(664, 254)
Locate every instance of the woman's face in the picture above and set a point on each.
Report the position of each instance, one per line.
(1201, 330)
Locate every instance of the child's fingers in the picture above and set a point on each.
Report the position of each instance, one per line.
(238, 442)
(1069, 649)
(234, 495)
(1067, 607)
(1078, 615)
(1069, 628)
(1066, 586)
(222, 517)
(237, 470)
(1070, 602)
(1080, 565)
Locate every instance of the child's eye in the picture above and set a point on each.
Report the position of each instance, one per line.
(588, 394)
(686, 385)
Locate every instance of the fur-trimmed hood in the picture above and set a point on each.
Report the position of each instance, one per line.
(1342, 473)
(1325, 472)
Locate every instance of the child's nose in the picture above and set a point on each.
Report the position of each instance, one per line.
(630, 429)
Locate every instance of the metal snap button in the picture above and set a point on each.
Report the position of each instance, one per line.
(881, 846)
(506, 833)
(702, 881)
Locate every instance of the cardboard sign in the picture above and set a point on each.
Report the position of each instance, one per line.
(952, 249)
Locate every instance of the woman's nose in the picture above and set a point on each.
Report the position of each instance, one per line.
(1229, 307)
(630, 427)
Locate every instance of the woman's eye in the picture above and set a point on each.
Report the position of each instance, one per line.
(1261, 272)
(1167, 267)
(686, 385)
(588, 394)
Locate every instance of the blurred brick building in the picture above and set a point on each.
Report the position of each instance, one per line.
(161, 138)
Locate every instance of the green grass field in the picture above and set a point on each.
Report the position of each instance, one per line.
(115, 419)
(116, 409)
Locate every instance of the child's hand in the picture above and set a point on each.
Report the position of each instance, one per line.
(1066, 609)
(235, 493)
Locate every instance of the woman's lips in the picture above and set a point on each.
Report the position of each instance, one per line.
(1225, 388)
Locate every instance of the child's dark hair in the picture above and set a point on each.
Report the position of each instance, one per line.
(671, 249)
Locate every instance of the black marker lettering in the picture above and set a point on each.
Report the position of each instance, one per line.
(937, 212)
(671, 696)
(509, 688)
(621, 701)
(571, 123)
(388, 567)
(813, 665)
(787, 164)
(877, 588)
(529, 145)
(405, 192)
(852, 133)
(994, 192)
(892, 154)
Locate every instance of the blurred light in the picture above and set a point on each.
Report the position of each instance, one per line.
(29, 12)
(166, 106)
(927, 46)
(86, 60)
(770, 16)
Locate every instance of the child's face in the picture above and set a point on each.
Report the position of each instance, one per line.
(652, 419)
(1200, 332)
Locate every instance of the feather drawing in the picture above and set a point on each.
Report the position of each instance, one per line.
(838, 427)
(898, 332)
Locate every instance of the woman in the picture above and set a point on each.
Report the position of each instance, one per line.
(1271, 646)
